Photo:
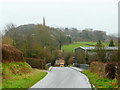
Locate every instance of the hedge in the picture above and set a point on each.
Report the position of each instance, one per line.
(109, 70)
(10, 53)
(36, 63)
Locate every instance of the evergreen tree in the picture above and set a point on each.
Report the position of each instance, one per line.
(99, 44)
(100, 50)
(111, 44)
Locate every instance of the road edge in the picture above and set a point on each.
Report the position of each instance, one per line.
(78, 69)
(50, 68)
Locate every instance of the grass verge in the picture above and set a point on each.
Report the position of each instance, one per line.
(0, 75)
(100, 82)
(20, 76)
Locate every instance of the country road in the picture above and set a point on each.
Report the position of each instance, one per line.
(63, 77)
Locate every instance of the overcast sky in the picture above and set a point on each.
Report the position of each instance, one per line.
(80, 14)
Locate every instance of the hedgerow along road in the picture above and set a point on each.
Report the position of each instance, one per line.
(63, 77)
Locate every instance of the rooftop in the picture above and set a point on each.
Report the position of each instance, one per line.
(91, 48)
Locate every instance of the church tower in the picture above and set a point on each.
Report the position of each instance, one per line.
(43, 21)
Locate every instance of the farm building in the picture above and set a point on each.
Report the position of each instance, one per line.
(91, 51)
(87, 49)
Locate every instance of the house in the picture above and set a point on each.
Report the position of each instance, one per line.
(59, 62)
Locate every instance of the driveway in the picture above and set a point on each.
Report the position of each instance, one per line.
(63, 77)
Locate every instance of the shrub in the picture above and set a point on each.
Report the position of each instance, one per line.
(36, 63)
(98, 68)
(103, 69)
(45, 54)
(114, 56)
(70, 61)
(47, 66)
(7, 40)
(66, 57)
(111, 44)
(93, 58)
(118, 72)
(110, 70)
(80, 57)
(10, 53)
(100, 50)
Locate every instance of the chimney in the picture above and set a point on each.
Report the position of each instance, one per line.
(43, 21)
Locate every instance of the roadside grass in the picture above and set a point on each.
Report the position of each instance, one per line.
(0, 75)
(70, 65)
(100, 82)
(70, 47)
(20, 76)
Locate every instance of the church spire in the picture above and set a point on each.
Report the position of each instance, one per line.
(43, 21)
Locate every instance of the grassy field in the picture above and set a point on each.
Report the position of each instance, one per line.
(70, 47)
(100, 82)
(20, 75)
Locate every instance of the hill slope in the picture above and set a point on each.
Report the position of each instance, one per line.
(20, 75)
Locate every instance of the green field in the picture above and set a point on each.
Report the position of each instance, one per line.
(70, 47)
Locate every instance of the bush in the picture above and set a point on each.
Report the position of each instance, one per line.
(103, 69)
(97, 68)
(47, 66)
(7, 40)
(100, 50)
(80, 57)
(36, 63)
(66, 57)
(70, 61)
(10, 53)
(45, 54)
(118, 72)
(114, 56)
(111, 44)
(110, 70)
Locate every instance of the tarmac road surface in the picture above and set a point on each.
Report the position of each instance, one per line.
(63, 77)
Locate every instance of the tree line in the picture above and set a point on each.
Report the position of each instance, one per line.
(38, 41)
(88, 34)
